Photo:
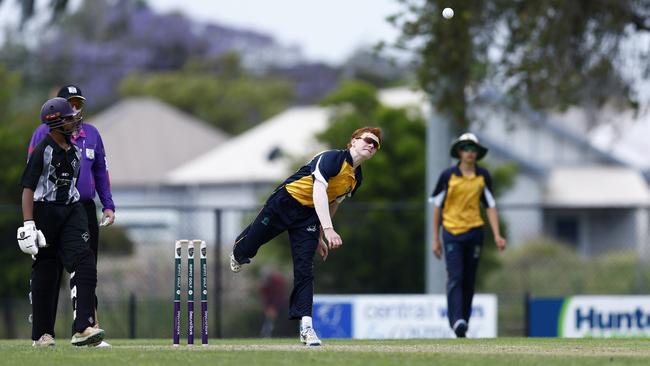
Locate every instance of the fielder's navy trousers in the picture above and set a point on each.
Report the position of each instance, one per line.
(462, 254)
(280, 213)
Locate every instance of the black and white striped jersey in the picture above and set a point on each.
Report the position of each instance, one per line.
(52, 172)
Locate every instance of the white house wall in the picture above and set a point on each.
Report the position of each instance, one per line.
(532, 141)
(612, 229)
(520, 209)
(164, 214)
(599, 230)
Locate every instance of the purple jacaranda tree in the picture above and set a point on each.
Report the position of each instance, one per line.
(103, 42)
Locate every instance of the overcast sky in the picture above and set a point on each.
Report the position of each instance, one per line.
(327, 30)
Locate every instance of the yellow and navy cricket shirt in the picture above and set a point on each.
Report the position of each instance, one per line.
(460, 198)
(332, 167)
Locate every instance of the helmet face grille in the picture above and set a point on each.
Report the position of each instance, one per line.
(61, 123)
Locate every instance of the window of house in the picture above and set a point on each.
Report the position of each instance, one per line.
(566, 230)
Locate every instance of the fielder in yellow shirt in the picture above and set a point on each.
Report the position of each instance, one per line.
(304, 206)
(459, 193)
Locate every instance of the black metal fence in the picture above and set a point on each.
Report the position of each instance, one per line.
(552, 252)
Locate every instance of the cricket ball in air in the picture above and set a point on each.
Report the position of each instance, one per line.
(448, 13)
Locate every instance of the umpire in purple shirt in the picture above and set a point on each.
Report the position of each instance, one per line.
(93, 176)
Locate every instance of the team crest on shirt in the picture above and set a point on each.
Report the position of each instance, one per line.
(85, 236)
(90, 154)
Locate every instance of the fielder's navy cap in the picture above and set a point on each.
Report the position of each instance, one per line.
(70, 91)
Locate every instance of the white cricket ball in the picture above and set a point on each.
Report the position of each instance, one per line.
(448, 13)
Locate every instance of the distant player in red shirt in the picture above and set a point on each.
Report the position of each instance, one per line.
(273, 290)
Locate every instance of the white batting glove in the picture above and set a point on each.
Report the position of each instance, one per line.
(27, 236)
(30, 239)
(40, 239)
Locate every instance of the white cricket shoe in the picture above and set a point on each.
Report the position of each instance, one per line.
(46, 340)
(102, 344)
(236, 266)
(308, 337)
(89, 336)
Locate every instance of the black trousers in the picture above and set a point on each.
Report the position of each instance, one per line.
(462, 255)
(93, 229)
(66, 231)
(280, 213)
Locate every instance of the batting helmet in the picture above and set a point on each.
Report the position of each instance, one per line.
(57, 112)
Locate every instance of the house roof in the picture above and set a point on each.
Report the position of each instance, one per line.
(405, 97)
(267, 152)
(145, 139)
(595, 187)
(555, 125)
(261, 154)
(507, 154)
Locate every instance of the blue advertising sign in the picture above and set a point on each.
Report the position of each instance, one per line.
(398, 316)
(589, 316)
(543, 315)
(333, 319)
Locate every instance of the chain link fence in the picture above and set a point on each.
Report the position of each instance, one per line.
(551, 252)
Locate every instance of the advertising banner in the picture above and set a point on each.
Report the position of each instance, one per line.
(398, 316)
(589, 316)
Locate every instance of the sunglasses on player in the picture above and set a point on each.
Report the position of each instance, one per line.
(371, 141)
(469, 148)
(77, 103)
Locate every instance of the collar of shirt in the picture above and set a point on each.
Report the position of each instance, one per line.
(81, 133)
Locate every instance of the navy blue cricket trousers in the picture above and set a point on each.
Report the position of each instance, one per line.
(462, 254)
(66, 229)
(280, 213)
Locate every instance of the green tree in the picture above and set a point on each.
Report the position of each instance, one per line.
(382, 225)
(15, 130)
(547, 53)
(218, 92)
(28, 9)
(115, 241)
(372, 67)
(537, 265)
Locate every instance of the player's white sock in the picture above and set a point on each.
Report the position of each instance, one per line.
(305, 322)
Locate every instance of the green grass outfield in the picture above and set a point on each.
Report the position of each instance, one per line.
(245, 352)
